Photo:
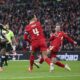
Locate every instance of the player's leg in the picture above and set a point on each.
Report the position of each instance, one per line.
(31, 58)
(8, 49)
(60, 64)
(2, 58)
(1, 64)
(41, 60)
(48, 60)
(6, 60)
(57, 62)
(31, 61)
(43, 48)
(53, 55)
(54, 49)
(34, 46)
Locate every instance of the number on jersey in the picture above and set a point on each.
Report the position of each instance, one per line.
(35, 31)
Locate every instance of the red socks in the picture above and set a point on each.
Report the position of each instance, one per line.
(31, 61)
(41, 61)
(59, 64)
(47, 60)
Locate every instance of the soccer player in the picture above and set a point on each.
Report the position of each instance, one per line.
(56, 41)
(8, 45)
(11, 44)
(34, 34)
(2, 58)
(11, 41)
(3, 41)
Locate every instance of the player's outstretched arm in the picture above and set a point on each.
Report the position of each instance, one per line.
(69, 39)
(52, 37)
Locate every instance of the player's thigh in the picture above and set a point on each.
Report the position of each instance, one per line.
(3, 48)
(34, 46)
(43, 45)
(53, 56)
(3, 51)
(55, 48)
(8, 47)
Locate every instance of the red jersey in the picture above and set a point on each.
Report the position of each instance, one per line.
(35, 31)
(57, 39)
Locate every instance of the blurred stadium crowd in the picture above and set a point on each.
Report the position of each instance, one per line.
(49, 12)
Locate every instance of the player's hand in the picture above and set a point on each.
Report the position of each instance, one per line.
(51, 47)
(75, 43)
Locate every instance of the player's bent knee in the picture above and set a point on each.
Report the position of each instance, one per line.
(54, 60)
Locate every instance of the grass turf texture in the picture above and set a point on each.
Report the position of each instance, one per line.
(18, 70)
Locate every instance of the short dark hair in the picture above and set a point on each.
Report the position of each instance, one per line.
(1, 27)
(30, 17)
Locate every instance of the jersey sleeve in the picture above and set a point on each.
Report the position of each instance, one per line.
(26, 36)
(8, 37)
(52, 38)
(12, 34)
(68, 38)
(39, 24)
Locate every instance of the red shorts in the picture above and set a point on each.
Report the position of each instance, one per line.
(56, 46)
(39, 44)
(53, 55)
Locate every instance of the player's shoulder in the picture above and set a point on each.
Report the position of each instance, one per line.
(10, 30)
(38, 22)
(35, 24)
(62, 32)
(27, 27)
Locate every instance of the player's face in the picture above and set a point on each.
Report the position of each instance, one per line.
(57, 28)
(6, 26)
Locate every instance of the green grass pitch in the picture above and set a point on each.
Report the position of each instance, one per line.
(18, 70)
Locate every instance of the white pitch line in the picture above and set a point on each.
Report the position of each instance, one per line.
(28, 77)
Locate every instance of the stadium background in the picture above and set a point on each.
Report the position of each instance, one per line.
(66, 12)
(49, 12)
